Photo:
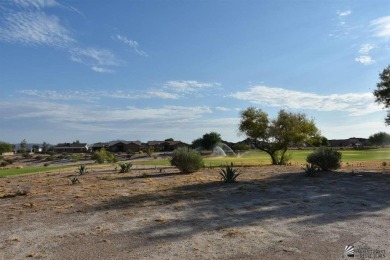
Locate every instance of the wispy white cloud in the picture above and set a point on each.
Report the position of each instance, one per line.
(92, 95)
(366, 48)
(133, 44)
(344, 13)
(381, 27)
(169, 90)
(162, 95)
(34, 28)
(38, 4)
(95, 58)
(339, 130)
(101, 70)
(138, 122)
(343, 26)
(223, 109)
(55, 112)
(54, 95)
(188, 86)
(365, 59)
(30, 25)
(355, 104)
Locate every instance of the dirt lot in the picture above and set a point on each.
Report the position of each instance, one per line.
(273, 212)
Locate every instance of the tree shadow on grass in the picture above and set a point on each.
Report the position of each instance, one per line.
(196, 207)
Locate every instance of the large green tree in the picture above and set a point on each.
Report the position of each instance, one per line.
(211, 139)
(274, 136)
(208, 141)
(382, 91)
(380, 138)
(5, 147)
(23, 146)
(45, 147)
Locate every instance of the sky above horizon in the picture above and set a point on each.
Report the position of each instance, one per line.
(150, 70)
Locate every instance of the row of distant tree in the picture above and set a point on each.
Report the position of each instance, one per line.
(207, 141)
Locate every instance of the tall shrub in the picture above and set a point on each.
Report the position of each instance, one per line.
(103, 156)
(325, 158)
(187, 160)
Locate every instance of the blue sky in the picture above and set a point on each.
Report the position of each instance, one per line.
(151, 70)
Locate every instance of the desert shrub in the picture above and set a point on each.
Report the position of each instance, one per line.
(325, 158)
(229, 174)
(82, 170)
(186, 160)
(50, 158)
(76, 157)
(27, 156)
(149, 151)
(9, 161)
(311, 169)
(4, 164)
(39, 157)
(103, 156)
(125, 167)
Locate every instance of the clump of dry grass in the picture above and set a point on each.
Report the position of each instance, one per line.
(161, 219)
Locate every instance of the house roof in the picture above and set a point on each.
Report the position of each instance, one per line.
(155, 142)
(71, 145)
(112, 143)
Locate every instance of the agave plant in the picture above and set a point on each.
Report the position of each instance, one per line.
(125, 167)
(229, 174)
(82, 170)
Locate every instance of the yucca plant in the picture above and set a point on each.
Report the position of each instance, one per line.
(229, 174)
(82, 170)
(125, 167)
(311, 169)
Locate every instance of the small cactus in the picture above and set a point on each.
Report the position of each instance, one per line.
(74, 180)
(82, 170)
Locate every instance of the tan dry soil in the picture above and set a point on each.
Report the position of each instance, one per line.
(273, 212)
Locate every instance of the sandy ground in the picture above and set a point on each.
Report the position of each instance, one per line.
(272, 212)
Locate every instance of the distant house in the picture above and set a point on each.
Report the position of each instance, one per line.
(351, 142)
(71, 148)
(172, 145)
(165, 146)
(124, 146)
(98, 146)
(118, 146)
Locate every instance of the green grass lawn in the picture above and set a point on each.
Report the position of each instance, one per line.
(297, 157)
(26, 170)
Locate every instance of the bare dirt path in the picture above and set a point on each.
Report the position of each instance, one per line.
(273, 212)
